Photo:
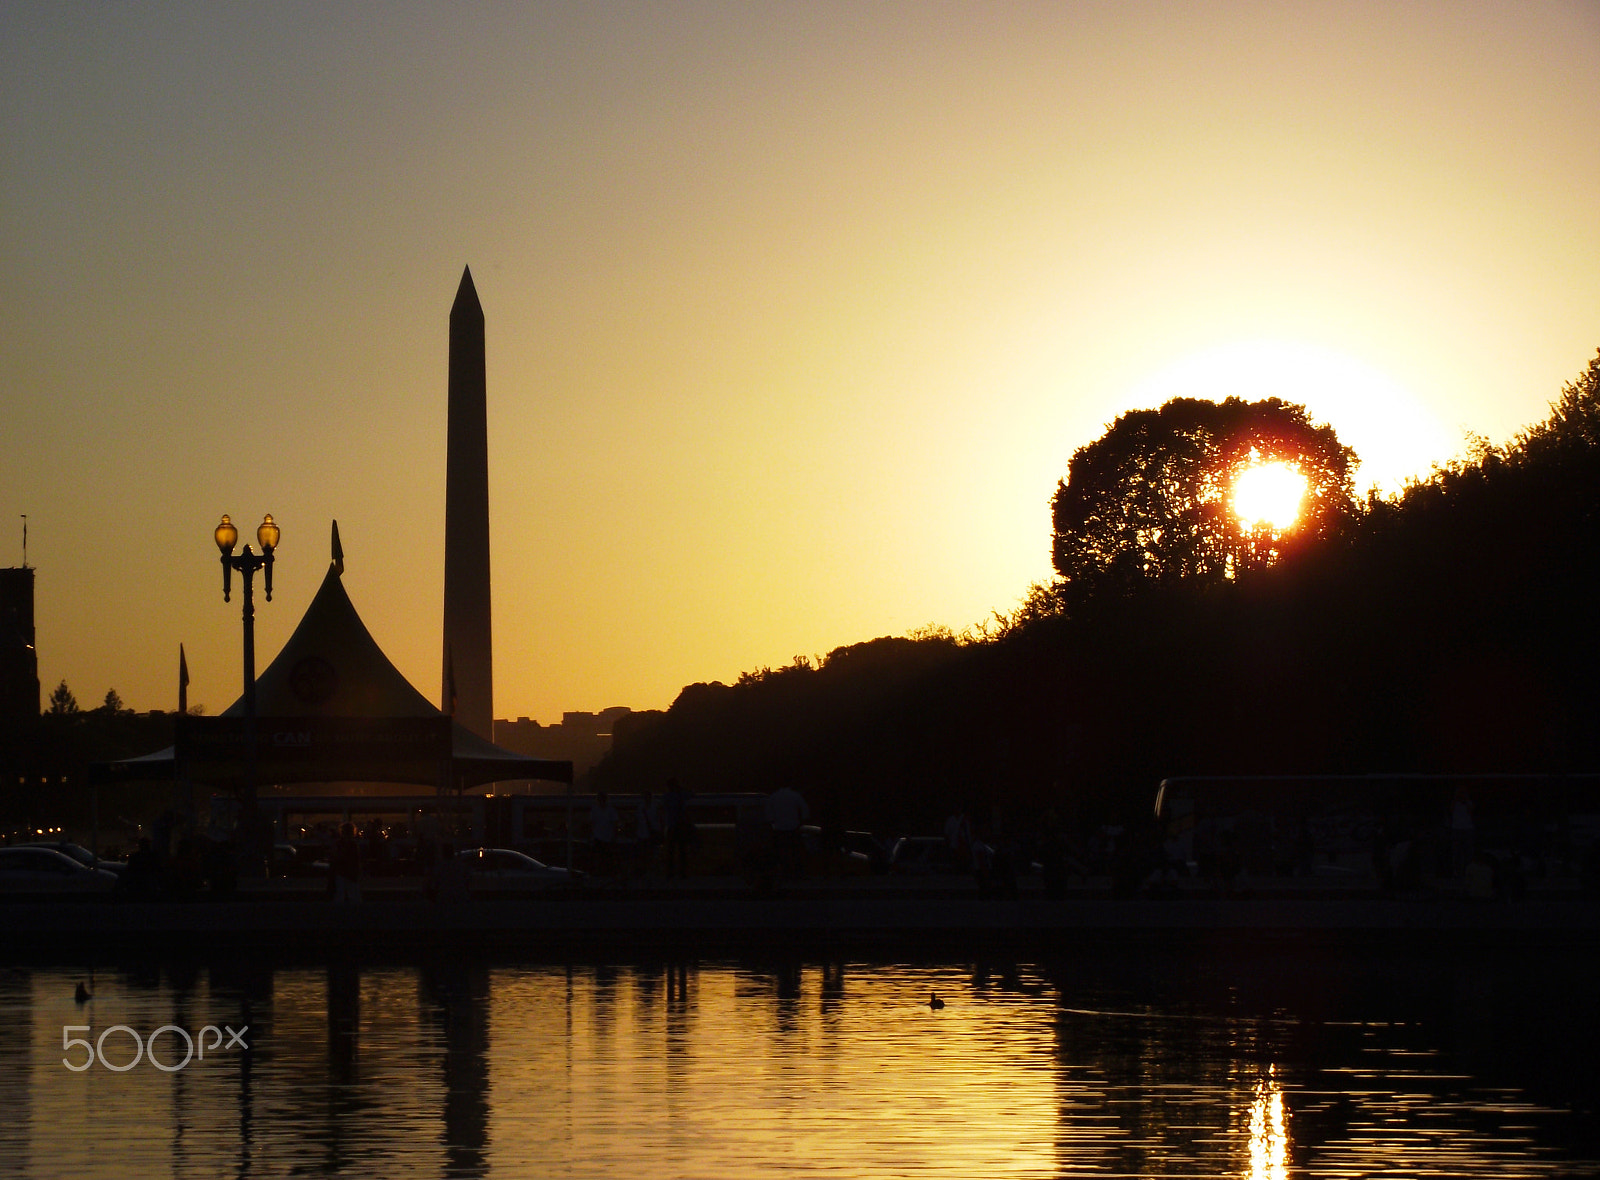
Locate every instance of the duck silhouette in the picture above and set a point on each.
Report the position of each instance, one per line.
(934, 1001)
(82, 994)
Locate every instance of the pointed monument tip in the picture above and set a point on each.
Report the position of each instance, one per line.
(466, 295)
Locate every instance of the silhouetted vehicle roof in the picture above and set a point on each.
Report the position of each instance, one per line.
(44, 870)
(505, 868)
(1382, 793)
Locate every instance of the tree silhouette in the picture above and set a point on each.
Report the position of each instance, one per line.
(113, 702)
(62, 700)
(1574, 419)
(1447, 629)
(1147, 502)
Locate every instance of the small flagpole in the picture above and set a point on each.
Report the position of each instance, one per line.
(24, 540)
(180, 744)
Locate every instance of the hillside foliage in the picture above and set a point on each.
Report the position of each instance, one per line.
(1446, 629)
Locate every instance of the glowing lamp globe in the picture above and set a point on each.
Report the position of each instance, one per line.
(226, 535)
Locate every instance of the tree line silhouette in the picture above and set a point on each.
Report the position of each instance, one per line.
(44, 762)
(1448, 629)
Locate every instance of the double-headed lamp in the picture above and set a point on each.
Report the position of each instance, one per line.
(227, 536)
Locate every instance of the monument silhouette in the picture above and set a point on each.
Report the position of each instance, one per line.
(468, 659)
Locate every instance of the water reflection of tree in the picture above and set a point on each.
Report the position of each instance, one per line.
(1157, 1062)
(1264, 1065)
(1136, 1087)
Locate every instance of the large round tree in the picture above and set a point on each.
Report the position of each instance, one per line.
(1152, 501)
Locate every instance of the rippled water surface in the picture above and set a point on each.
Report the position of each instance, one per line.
(739, 1069)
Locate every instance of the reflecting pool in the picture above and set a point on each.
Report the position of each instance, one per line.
(1309, 1066)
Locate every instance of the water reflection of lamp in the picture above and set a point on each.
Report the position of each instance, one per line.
(247, 563)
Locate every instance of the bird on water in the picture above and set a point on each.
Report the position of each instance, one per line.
(934, 1001)
(82, 994)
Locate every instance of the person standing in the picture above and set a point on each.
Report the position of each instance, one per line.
(646, 831)
(344, 866)
(958, 839)
(787, 813)
(1461, 832)
(603, 825)
(679, 828)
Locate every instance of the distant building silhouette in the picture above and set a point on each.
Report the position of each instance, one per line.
(580, 738)
(19, 662)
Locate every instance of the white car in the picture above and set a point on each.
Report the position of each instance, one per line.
(45, 870)
(505, 869)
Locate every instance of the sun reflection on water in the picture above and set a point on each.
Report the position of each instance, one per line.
(1269, 1131)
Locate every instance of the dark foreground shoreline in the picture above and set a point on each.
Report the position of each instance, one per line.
(814, 919)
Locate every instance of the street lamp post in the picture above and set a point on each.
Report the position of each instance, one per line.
(247, 563)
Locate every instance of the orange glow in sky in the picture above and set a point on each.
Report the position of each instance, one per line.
(795, 313)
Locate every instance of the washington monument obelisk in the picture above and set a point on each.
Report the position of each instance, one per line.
(468, 683)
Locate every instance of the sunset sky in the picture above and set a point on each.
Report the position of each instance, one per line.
(795, 312)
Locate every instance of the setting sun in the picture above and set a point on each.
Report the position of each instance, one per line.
(1394, 435)
(1269, 493)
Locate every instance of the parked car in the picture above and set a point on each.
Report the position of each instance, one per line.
(288, 860)
(923, 855)
(867, 852)
(25, 869)
(78, 853)
(503, 869)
